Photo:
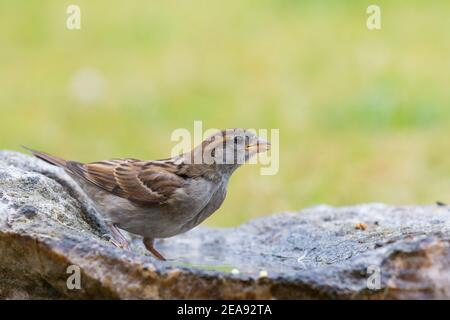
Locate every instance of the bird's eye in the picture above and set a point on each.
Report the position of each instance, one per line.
(237, 139)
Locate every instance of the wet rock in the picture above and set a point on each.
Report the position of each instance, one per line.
(370, 251)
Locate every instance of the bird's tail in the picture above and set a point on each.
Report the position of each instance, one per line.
(47, 158)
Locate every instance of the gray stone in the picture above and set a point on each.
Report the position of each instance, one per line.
(47, 225)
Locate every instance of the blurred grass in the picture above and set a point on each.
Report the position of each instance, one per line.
(363, 115)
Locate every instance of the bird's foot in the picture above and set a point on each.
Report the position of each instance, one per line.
(117, 238)
(118, 244)
(148, 243)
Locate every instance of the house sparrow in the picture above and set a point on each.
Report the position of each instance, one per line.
(162, 198)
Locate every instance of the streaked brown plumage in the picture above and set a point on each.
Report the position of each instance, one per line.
(162, 198)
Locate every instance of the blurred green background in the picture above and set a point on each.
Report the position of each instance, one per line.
(363, 115)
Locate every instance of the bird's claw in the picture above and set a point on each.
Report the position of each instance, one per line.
(119, 243)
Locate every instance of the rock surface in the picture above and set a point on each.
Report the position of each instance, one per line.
(368, 251)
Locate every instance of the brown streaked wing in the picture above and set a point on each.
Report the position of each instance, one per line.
(138, 181)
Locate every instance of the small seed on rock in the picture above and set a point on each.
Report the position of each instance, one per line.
(361, 226)
(263, 274)
(235, 271)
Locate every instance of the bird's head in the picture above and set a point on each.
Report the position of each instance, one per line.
(228, 149)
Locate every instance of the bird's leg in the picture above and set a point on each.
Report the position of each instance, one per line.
(148, 243)
(118, 239)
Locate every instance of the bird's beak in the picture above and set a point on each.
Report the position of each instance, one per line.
(261, 145)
